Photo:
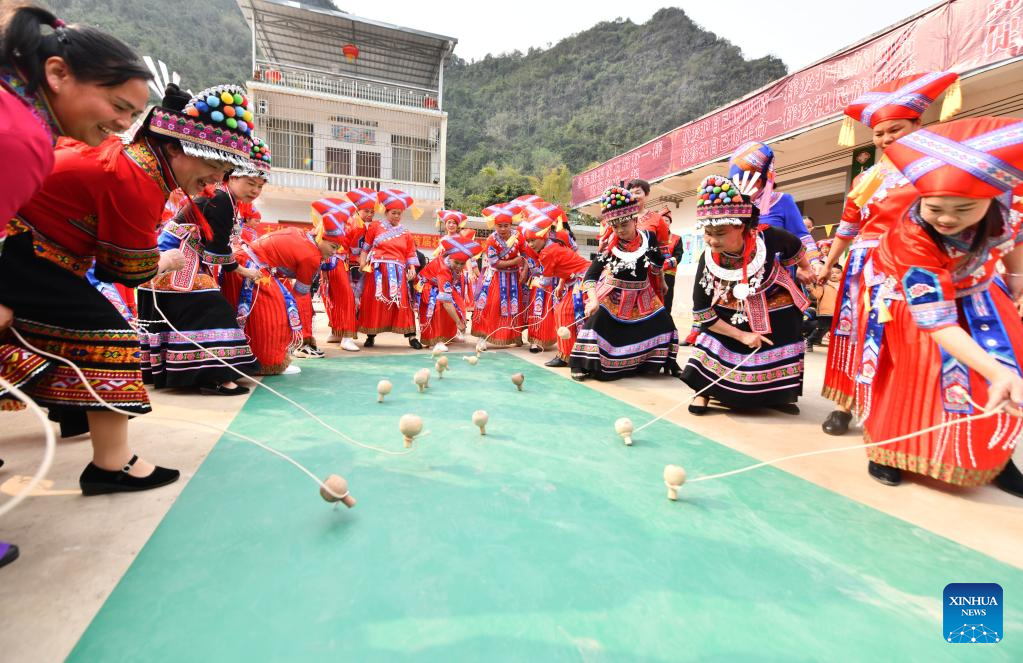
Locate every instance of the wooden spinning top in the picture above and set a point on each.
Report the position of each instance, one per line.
(441, 366)
(422, 379)
(480, 419)
(564, 333)
(674, 477)
(438, 349)
(410, 425)
(383, 388)
(472, 360)
(481, 346)
(517, 380)
(335, 489)
(624, 428)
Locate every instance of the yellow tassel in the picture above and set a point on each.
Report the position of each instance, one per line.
(514, 240)
(418, 286)
(866, 300)
(883, 314)
(847, 134)
(381, 209)
(868, 185)
(367, 268)
(490, 222)
(517, 218)
(416, 212)
(953, 100)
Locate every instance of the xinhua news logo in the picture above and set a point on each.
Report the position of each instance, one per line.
(973, 613)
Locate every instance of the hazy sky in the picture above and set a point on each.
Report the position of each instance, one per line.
(797, 31)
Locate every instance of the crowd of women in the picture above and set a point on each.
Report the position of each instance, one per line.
(133, 256)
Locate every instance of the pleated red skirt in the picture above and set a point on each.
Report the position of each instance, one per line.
(339, 301)
(270, 336)
(378, 317)
(488, 322)
(543, 327)
(906, 396)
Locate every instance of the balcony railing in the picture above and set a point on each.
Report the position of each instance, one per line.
(343, 86)
(324, 183)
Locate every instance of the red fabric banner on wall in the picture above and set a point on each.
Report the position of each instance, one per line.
(959, 35)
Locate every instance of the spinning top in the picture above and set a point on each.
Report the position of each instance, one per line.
(480, 419)
(674, 477)
(439, 348)
(624, 428)
(422, 379)
(472, 360)
(335, 489)
(481, 346)
(410, 425)
(564, 333)
(441, 366)
(383, 388)
(517, 380)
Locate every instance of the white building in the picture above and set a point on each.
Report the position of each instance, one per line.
(336, 122)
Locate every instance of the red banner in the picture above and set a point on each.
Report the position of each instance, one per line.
(959, 35)
(425, 240)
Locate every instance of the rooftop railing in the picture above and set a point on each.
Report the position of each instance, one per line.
(343, 86)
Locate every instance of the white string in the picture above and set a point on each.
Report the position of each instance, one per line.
(694, 396)
(51, 447)
(818, 452)
(99, 399)
(277, 393)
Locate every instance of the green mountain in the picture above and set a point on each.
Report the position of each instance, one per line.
(516, 121)
(591, 96)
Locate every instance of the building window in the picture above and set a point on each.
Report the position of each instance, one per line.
(291, 143)
(367, 164)
(339, 161)
(410, 159)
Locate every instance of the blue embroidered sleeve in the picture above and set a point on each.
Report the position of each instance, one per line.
(302, 288)
(927, 303)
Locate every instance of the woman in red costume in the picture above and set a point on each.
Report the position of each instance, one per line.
(335, 283)
(101, 204)
(50, 87)
(269, 311)
(500, 316)
(389, 261)
(879, 197)
(560, 272)
(943, 334)
(443, 302)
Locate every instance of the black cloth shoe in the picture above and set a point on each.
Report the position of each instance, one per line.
(97, 481)
(786, 408)
(1010, 480)
(580, 377)
(889, 476)
(698, 410)
(414, 343)
(535, 349)
(557, 362)
(8, 553)
(370, 340)
(837, 423)
(221, 390)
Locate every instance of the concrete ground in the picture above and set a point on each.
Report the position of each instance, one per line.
(75, 549)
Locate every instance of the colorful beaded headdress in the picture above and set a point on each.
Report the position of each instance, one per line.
(722, 201)
(363, 198)
(215, 124)
(259, 161)
(617, 203)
